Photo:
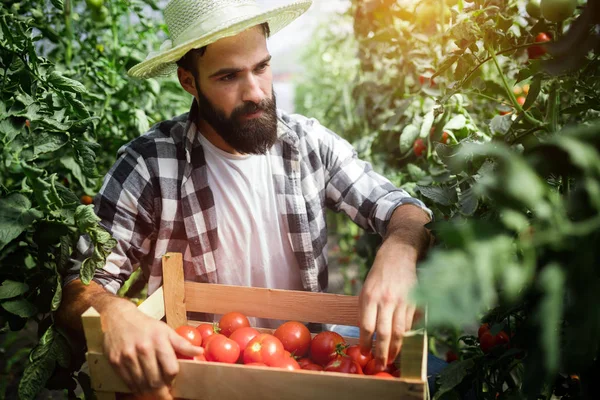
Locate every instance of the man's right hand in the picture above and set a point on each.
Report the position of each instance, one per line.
(142, 350)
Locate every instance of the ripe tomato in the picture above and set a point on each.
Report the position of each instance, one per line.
(263, 348)
(243, 336)
(313, 367)
(356, 354)
(286, 363)
(232, 321)
(191, 334)
(371, 368)
(222, 349)
(485, 327)
(451, 356)
(557, 10)
(486, 342)
(538, 51)
(207, 330)
(521, 100)
(87, 200)
(304, 361)
(27, 123)
(501, 338)
(325, 346)
(423, 79)
(201, 357)
(258, 364)
(445, 137)
(344, 364)
(419, 147)
(295, 337)
(384, 374)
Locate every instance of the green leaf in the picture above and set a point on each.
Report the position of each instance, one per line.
(501, 124)
(452, 376)
(63, 83)
(410, 133)
(141, 121)
(456, 123)
(10, 289)
(16, 215)
(9, 130)
(34, 378)
(88, 268)
(443, 195)
(44, 345)
(427, 124)
(85, 218)
(468, 202)
(61, 351)
(86, 157)
(534, 91)
(58, 4)
(48, 142)
(21, 307)
(551, 281)
(56, 299)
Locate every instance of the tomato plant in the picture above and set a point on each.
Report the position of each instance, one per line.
(295, 337)
(232, 321)
(557, 10)
(326, 346)
(222, 349)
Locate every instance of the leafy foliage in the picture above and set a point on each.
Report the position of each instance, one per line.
(66, 107)
(510, 169)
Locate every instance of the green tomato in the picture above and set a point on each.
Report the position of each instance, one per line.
(557, 10)
(94, 4)
(533, 9)
(100, 15)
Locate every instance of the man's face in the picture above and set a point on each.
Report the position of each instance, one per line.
(235, 93)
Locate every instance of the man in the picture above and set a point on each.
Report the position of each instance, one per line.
(239, 188)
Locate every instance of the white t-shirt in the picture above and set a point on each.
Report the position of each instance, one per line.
(254, 248)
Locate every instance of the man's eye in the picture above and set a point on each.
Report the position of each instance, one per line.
(262, 67)
(228, 78)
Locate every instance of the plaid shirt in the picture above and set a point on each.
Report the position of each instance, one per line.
(156, 199)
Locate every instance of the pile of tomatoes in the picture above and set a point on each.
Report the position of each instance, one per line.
(292, 347)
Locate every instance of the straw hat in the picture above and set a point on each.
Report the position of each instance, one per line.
(196, 23)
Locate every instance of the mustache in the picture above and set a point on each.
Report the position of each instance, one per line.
(250, 107)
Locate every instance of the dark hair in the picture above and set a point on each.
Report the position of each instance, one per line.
(188, 61)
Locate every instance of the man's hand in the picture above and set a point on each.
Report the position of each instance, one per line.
(383, 303)
(142, 350)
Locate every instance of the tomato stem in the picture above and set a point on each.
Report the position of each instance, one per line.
(68, 32)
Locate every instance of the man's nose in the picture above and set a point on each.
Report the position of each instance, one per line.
(252, 91)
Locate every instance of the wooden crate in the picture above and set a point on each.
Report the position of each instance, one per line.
(204, 380)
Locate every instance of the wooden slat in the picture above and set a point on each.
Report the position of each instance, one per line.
(272, 303)
(208, 381)
(413, 359)
(92, 328)
(154, 306)
(174, 293)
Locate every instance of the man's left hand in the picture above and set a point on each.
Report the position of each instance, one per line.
(383, 303)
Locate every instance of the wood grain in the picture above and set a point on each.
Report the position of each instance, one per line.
(173, 290)
(202, 380)
(272, 303)
(92, 328)
(154, 305)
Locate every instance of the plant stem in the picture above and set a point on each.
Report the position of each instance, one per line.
(552, 113)
(509, 91)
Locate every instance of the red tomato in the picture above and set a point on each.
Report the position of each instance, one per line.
(286, 363)
(344, 364)
(232, 321)
(483, 329)
(521, 100)
(384, 374)
(200, 358)
(451, 356)
(423, 79)
(263, 348)
(258, 364)
(243, 336)
(370, 368)
(207, 330)
(538, 51)
(295, 337)
(304, 361)
(87, 200)
(325, 347)
(356, 354)
(419, 147)
(312, 367)
(287, 354)
(191, 334)
(396, 373)
(222, 349)
(445, 137)
(501, 338)
(487, 342)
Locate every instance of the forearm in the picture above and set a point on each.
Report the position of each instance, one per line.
(407, 232)
(77, 298)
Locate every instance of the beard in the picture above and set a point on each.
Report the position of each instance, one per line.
(246, 136)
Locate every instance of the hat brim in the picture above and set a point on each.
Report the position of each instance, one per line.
(163, 63)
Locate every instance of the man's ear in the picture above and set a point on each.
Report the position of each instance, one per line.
(186, 79)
